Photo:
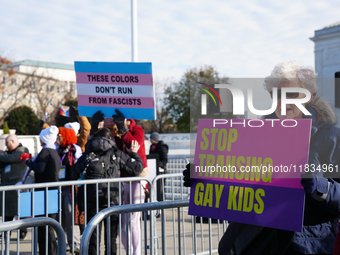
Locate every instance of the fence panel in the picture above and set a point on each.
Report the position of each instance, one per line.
(174, 186)
(61, 187)
(36, 222)
(171, 232)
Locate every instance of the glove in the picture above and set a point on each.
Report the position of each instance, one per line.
(96, 118)
(119, 119)
(309, 182)
(25, 156)
(186, 173)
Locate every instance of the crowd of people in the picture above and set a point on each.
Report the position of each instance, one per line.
(117, 143)
(105, 148)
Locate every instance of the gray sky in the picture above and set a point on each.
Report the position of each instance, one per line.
(239, 38)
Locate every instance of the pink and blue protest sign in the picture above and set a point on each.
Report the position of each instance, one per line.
(249, 171)
(107, 86)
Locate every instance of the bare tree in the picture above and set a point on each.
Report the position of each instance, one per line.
(162, 124)
(39, 91)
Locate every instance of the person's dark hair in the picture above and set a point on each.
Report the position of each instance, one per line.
(103, 132)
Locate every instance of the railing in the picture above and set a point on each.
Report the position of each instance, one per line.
(127, 209)
(174, 189)
(57, 186)
(199, 238)
(36, 222)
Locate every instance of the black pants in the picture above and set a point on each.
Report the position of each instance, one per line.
(160, 189)
(114, 221)
(52, 242)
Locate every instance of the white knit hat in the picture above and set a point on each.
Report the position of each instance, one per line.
(49, 135)
(74, 125)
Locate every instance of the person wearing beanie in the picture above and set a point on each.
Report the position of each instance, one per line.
(73, 125)
(82, 132)
(81, 128)
(46, 167)
(48, 136)
(155, 137)
(160, 148)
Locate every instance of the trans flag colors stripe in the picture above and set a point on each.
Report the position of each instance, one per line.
(108, 86)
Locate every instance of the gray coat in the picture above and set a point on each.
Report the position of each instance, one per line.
(17, 171)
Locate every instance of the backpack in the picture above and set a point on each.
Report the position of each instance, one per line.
(99, 166)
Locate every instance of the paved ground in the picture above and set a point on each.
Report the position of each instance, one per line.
(170, 239)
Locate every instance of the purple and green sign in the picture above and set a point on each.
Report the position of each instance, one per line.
(107, 86)
(249, 171)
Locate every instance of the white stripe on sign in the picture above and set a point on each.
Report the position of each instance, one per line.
(114, 90)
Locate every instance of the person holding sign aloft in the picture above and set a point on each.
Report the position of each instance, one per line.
(319, 177)
(322, 201)
(124, 132)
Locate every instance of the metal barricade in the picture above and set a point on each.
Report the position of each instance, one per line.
(183, 239)
(201, 227)
(173, 189)
(58, 186)
(127, 209)
(174, 232)
(35, 222)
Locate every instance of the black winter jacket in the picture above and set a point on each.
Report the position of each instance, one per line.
(120, 163)
(162, 150)
(46, 166)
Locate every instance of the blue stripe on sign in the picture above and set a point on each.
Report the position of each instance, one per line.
(129, 113)
(39, 203)
(113, 67)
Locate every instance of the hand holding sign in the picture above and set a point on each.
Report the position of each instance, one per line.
(186, 173)
(96, 119)
(308, 181)
(314, 184)
(119, 119)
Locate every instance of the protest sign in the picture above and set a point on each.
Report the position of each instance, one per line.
(249, 171)
(107, 86)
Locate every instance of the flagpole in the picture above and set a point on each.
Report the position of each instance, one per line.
(134, 36)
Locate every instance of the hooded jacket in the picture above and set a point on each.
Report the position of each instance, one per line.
(135, 132)
(121, 163)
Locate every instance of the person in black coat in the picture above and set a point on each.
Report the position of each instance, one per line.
(12, 170)
(46, 167)
(160, 148)
(120, 162)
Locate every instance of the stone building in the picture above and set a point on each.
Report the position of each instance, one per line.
(327, 63)
(43, 86)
